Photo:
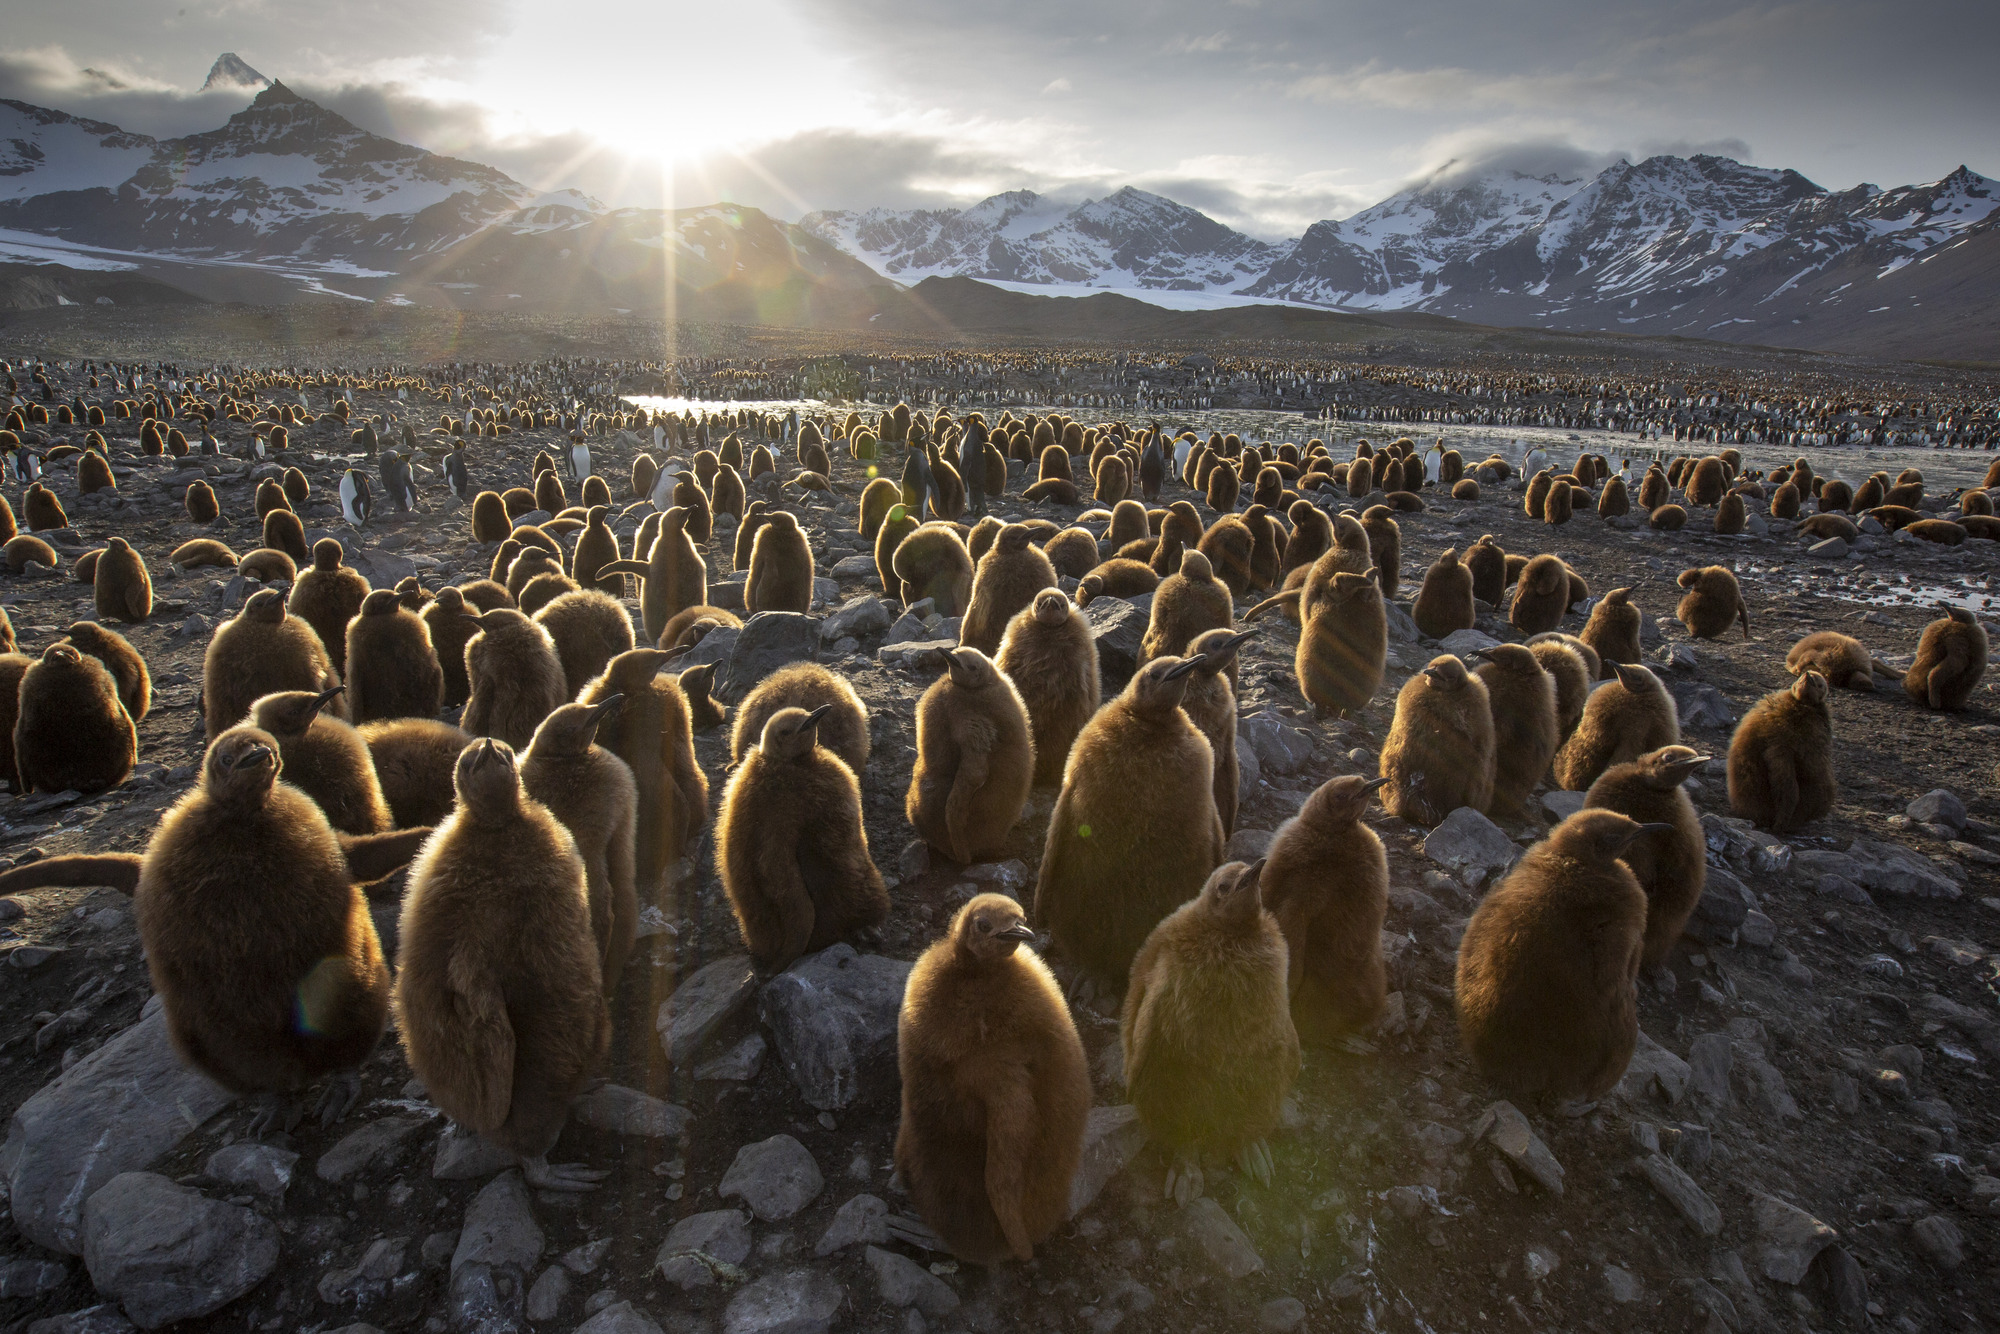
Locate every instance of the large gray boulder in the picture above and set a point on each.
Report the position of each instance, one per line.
(1118, 626)
(832, 1017)
(119, 1109)
(799, 1301)
(168, 1253)
(703, 1003)
(1466, 840)
(776, 1178)
(769, 640)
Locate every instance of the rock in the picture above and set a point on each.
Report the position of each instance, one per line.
(1711, 1057)
(739, 1064)
(1831, 548)
(858, 617)
(1872, 526)
(500, 1227)
(1248, 771)
(261, 1167)
(1623, 1285)
(618, 1318)
(776, 1177)
(702, 1004)
(104, 1319)
(1700, 705)
(727, 594)
(1462, 642)
(1677, 657)
(1940, 1240)
(825, 591)
(584, 1259)
(904, 1282)
(1247, 845)
(832, 1017)
(1839, 1284)
(1508, 1130)
(1788, 1238)
(545, 1299)
(1758, 932)
(1679, 1189)
(1562, 805)
(22, 1279)
(769, 640)
(1220, 1240)
(119, 1109)
(909, 626)
(1762, 1085)
(625, 1111)
(1118, 626)
(716, 645)
(1721, 909)
(378, 1140)
(1466, 840)
(914, 654)
(855, 567)
(1402, 629)
(1281, 1315)
(800, 1301)
(166, 1253)
(1654, 1072)
(699, 1242)
(861, 1219)
(383, 569)
(466, 1155)
(1280, 747)
(1112, 1138)
(1889, 869)
(370, 1279)
(1744, 845)
(1938, 807)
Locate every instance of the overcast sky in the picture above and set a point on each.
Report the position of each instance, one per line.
(1267, 114)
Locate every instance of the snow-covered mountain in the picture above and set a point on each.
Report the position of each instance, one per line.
(232, 71)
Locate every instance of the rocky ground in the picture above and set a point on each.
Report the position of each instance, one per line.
(1807, 1138)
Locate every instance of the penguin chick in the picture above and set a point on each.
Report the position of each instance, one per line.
(781, 567)
(932, 562)
(651, 733)
(1186, 603)
(790, 848)
(1135, 831)
(1570, 671)
(1951, 657)
(1050, 655)
(452, 625)
(591, 792)
(414, 760)
(589, 629)
(71, 732)
(327, 596)
(516, 678)
(996, 1092)
(392, 671)
(1670, 863)
(705, 712)
(1439, 754)
(1007, 579)
(325, 758)
(673, 574)
(1713, 603)
(1781, 758)
(259, 652)
(1210, 704)
(1541, 597)
(596, 547)
(127, 667)
(499, 997)
(1526, 731)
(1385, 546)
(1444, 603)
(806, 685)
(121, 588)
(1326, 881)
(1118, 578)
(1613, 629)
(1210, 1049)
(1343, 643)
(1547, 969)
(1487, 561)
(1844, 661)
(1622, 720)
(975, 759)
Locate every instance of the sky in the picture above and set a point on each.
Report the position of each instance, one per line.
(1266, 114)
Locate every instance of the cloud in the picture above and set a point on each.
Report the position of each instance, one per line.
(1057, 86)
(47, 76)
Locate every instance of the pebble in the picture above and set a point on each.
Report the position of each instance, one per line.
(1508, 1130)
(799, 1301)
(1788, 1238)
(776, 1178)
(1940, 1240)
(1220, 1240)
(166, 1253)
(904, 1282)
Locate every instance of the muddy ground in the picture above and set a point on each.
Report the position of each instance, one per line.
(1385, 1213)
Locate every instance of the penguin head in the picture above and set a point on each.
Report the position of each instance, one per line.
(381, 602)
(450, 601)
(991, 926)
(1670, 766)
(792, 733)
(288, 713)
(328, 553)
(1052, 605)
(632, 671)
(1810, 688)
(1014, 537)
(487, 780)
(572, 729)
(1596, 835)
(970, 669)
(62, 655)
(1162, 683)
(1340, 801)
(1216, 649)
(266, 607)
(242, 765)
(1513, 659)
(1195, 567)
(1231, 894)
(1618, 597)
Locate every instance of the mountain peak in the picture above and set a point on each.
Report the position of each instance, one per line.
(232, 71)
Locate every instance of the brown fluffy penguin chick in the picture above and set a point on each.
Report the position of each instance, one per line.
(673, 574)
(705, 712)
(596, 547)
(1613, 629)
(283, 532)
(1116, 578)
(327, 596)
(202, 552)
(127, 668)
(1542, 596)
(1526, 730)
(392, 671)
(1311, 537)
(13, 666)
(1229, 545)
(1185, 604)
(1444, 603)
(1343, 643)
(1050, 655)
(591, 791)
(932, 562)
(1210, 1049)
(975, 759)
(1439, 754)
(200, 503)
(499, 997)
(1781, 758)
(1844, 661)
(781, 567)
(806, 685)
(42, 510)
(268, 567)
(652, 734)
(1007, 579)
(1135, 831)
(1670, 863)
(1622, 720)
(1713, 603)
(489, 518)
(121, 588)
(691, 625)
(1488, 563)
(1570, 671)
(1547, 969)
(516, 677)
(414, 760)
(1326, 881)
(325, 758)
(258, 942)
(790, 848)
(1385, 546)
(261, 651)
(451, 629)
(1951, 657)
(1210, 703)
(996, 1092)
(71, 731)
(589, 629)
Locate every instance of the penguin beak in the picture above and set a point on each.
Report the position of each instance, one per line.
(605, 707)
(1372, 784)
(1181, 668)
(324, 698)
(1221, 652)
(1020, 932)
(253, 757)
(1481, 655)
(812, 719)
(1652, 829)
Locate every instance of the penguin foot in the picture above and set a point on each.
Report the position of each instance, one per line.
(871, 936)
(1574, 1108)
(342, 1092)
(545, 1175)
(1184, 1183)
(913, 1231)
(1255, 1161)
(274, 1111)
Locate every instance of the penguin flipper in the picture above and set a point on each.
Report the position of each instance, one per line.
(480, 1040)
(1012, 1129)
(119, 870)
(372, 856)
